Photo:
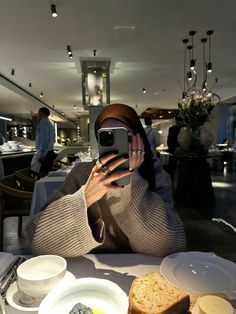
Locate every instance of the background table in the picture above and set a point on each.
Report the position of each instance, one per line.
(43, 190)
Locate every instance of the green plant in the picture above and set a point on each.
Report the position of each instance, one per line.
(195, 110)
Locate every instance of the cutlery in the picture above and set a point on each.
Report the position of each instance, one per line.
(10, 277)
(9, 270)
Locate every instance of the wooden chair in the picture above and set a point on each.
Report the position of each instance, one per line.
(15, 200)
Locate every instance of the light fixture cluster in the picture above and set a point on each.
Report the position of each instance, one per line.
(190, 71)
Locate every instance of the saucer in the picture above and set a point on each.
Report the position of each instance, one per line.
(13, 294)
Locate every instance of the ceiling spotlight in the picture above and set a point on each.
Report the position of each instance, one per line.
(12, 71)
(62, 113)
(94, 71)
(30, 84)
(75, 107)
(69, 51)
(144, 91)
(94, 52)
(41, 95)
(204, 86)
(53, 10)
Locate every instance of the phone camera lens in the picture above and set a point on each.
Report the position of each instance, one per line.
(106, 138)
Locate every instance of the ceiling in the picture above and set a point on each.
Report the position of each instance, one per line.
(141, 38)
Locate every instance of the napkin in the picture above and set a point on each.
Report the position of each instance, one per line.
(5, 260)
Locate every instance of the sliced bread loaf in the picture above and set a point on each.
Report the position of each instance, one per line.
(153, 294)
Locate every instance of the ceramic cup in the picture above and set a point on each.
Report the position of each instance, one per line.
(39, 275)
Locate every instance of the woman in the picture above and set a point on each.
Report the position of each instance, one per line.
(90, 213)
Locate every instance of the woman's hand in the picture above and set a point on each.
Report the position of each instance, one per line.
(136, 152)
(100, 181)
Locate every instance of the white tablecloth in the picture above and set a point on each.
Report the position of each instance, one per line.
(43, 190)
(119, 268)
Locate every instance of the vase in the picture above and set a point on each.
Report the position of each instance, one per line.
(195, 140)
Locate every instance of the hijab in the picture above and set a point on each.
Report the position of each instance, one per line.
(129, 117)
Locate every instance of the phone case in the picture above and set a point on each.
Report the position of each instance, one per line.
(120, 147)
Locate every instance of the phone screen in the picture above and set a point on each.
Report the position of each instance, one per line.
(115, 140)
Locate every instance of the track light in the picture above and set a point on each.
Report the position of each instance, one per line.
(53, 10)
(183, 96)
(204, 86)
(41, 95)
(30, 84)
(69, 52)
(75, 107)
(62, 113)
(94, 52)
(144, 91)
(12, 71)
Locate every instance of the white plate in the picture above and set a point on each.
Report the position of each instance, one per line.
(199, 272)
(12, 295)
(101, 294)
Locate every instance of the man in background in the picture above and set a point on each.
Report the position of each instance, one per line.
(153, 136)
(45, 138)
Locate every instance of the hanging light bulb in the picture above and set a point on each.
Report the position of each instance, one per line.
(192, 60)
(209, 64)
(185, 41)
(189, 76)
(53, 10)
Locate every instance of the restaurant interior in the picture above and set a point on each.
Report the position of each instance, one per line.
(78, 57)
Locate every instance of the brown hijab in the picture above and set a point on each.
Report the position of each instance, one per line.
(128, 116)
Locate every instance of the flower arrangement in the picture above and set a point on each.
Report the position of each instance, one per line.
(196, 109)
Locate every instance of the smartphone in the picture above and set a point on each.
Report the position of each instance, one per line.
(115, 140)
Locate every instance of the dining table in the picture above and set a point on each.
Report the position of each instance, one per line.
(121, 268)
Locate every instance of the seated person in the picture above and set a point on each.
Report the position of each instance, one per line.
(89, 213)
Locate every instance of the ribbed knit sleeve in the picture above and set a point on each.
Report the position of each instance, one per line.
(66, 227)
(147, 218)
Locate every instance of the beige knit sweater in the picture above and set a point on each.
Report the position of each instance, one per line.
(131, 219)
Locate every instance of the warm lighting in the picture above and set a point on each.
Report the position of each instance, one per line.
(53, 10)
(75, 107)
(144, 91)
(41, 95)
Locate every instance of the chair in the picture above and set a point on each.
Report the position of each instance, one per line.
(15, 200)
(26, 178)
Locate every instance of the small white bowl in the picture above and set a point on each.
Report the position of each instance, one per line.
(100, 294)
(39, 275)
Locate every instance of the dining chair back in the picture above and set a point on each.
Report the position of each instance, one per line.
(26, 178)
(15, 200)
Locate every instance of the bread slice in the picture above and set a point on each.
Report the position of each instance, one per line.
(153, 294)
